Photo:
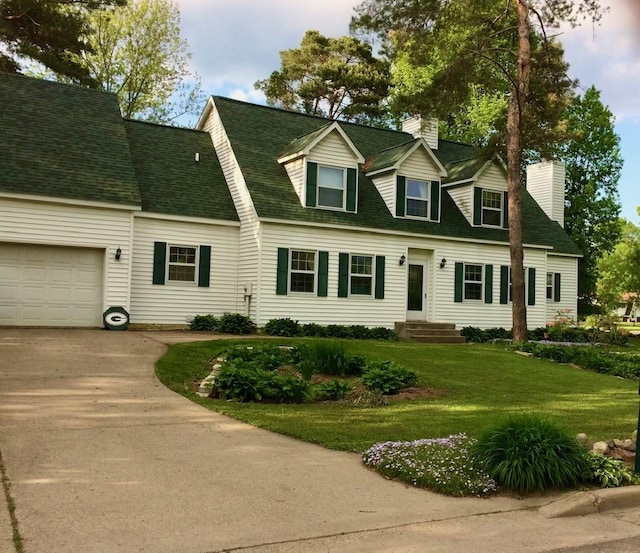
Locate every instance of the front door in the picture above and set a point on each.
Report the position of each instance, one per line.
(416, 291)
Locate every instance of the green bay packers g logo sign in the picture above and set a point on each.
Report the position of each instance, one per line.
(116, 318)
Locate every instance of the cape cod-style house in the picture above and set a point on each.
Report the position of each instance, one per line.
(263, 212)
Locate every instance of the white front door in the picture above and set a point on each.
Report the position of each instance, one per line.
(417, 275)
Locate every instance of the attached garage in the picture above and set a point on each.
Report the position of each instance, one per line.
(50, 285)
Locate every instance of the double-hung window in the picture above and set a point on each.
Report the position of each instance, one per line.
(417, 199)
(550, 279)
(491, 208)
(472, 282)
(302, 275)
(182, 264)
(361, 275)
(331, 187)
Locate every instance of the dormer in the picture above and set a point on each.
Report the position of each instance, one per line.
(323, 168)
(408, 178)
(479, 189)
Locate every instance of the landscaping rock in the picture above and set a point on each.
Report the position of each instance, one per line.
(617, 443)
(602, 448)
(583, 440)
(629, 445)
(634, 437)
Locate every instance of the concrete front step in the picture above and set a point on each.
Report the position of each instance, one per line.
(434, 333)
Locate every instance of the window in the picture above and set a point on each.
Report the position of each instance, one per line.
(182, 264)
(417, 202)
(303, 271)
(491, 208)
(472, 282)
(331, 187)
(549, 286)
(361, 275)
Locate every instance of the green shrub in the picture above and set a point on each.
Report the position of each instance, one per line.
(268, 358)
(286, 388)
(387, 377)
(313, 330)
(235, 323)
(382, 333)
(332, 390)
(282, 327)
(529, 453)
(607, 472)
(241, 383)
(338, 331)
(473, 334)
(204, 322)
(355, 365)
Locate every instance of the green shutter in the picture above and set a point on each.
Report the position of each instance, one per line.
(477, 205)
(458, 282)
(343, 275)
(323, 273)
(379, 277)
(352, 189)
(556, 286)
(505, 201)
(531, 292)
(435, 200)
(204, 267)
(488, 284)
(401, 195)
(282, 272)
(159, 262)
(504, 284)
(312, 184)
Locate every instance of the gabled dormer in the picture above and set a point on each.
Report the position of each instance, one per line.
(323, 168)
(408, 178)
(479, 189)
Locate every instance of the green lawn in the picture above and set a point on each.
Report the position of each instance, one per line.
(480, 385)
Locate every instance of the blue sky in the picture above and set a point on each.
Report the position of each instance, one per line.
(236, 42)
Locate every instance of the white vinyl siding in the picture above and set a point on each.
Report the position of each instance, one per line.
(463, 198)
(568, 269)
(493, 177)
(249, 236)
(332, 150)
(295, 170)
(420, 166)
(177, 302)
(385, 183)
(39, 222)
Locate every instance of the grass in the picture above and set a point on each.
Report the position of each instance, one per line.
(481, 385)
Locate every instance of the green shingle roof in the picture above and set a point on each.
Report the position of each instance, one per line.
(389, 157)
(63, 141)
(170, 180)
(260, 134)
(300, 143)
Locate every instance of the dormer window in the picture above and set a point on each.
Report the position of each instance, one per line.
(331, 187)
(490, 208)
(417, 199)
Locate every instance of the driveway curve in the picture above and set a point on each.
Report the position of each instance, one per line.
(103, 458)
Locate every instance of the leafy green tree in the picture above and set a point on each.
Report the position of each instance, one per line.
(592, 205)
(48, 32)
(618, 270)
(338, 78)
(494, 44)
(137, 53)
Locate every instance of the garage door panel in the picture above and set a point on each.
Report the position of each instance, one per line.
(50, 286)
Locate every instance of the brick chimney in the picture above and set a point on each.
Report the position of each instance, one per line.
(423, 128)
(545, 182)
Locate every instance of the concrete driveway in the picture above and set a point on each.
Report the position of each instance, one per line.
(102, 458)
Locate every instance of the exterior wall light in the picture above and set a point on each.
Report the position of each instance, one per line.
(118, 253)
(403, 259)
(443, 263)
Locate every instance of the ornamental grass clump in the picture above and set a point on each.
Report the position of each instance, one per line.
(529, 453)
(445, 465)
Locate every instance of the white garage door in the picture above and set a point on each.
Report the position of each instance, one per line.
(50, 285)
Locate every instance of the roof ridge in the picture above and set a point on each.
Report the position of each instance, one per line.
(48, 82)
(172, 127)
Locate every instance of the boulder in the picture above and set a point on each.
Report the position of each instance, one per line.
(629, 445)
(634, 437)
(601, 448)
(617, 443)
(583, 440)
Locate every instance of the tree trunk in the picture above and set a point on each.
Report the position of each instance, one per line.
(514, 158)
